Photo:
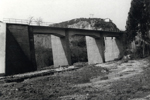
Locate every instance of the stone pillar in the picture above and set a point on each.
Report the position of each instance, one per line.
(120, 46)
(95, 50)
(113, 48)
(60, 50)
(32, 47)
(2, 47)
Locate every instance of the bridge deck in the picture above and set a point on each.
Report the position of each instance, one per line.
(71, 31)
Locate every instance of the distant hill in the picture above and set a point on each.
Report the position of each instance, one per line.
(88, 23)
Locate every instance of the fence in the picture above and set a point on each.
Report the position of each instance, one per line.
(28, 22)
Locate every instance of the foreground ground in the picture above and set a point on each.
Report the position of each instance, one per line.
(110, 81)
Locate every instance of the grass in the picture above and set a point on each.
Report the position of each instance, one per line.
(50, 87)
(63, 84)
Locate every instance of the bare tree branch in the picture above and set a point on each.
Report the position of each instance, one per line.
(31, 19)
(39, 21)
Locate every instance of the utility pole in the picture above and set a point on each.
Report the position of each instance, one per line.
(91, 15)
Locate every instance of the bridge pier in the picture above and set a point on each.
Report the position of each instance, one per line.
(120, 46)
(60, 50)
(2, 48)
(95, 50)
(113, 48)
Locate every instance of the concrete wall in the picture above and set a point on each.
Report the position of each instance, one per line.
(18, 50)
(2, 47)
(94, 50)
(20, 33)
(113, 48)
(60, 49)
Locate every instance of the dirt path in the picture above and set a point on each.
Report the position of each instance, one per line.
(118, 70)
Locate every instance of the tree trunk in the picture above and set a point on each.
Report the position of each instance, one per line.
(143, 49)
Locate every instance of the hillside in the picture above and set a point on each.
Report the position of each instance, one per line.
(88, 23)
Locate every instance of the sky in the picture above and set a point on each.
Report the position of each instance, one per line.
(62, 10)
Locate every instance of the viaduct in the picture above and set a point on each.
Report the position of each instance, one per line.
(17, 52)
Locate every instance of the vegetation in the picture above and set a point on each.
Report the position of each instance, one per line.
(43, 50)
(78, 49)
(37, 21)
(95, 24)
(138, 26)
(87, 83)
(44, 57)
(50, 87)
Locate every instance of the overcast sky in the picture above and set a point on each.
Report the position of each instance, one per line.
(63, 10)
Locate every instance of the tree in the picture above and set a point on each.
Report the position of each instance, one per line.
(31, 19)
(39, 21)
(138, 22)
